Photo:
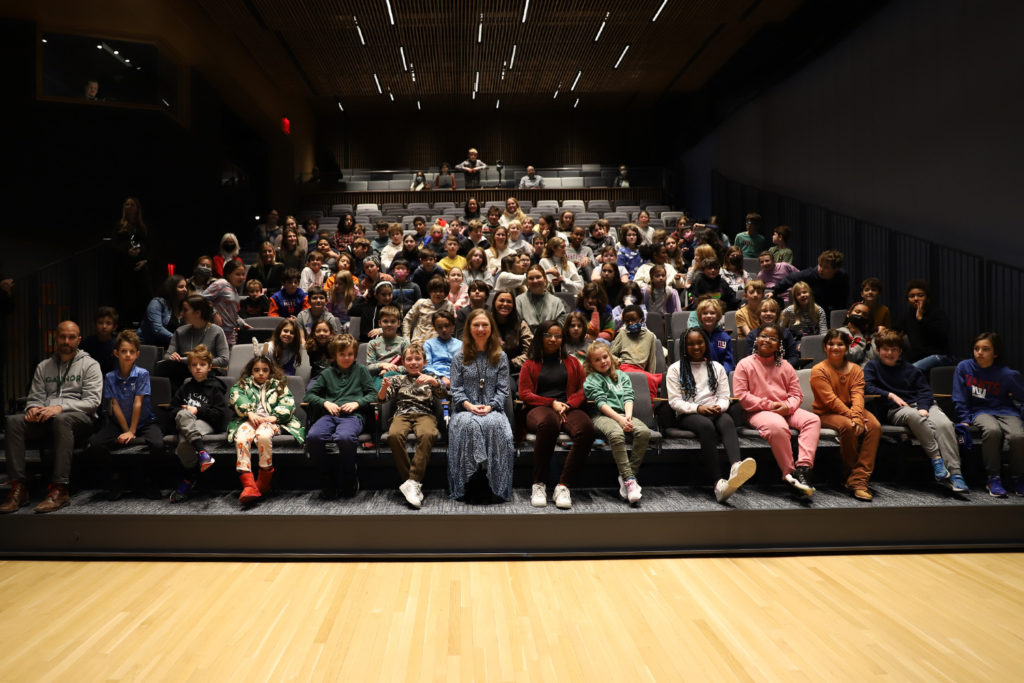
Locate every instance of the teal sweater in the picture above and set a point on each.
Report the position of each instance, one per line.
(342, 386)
(602, 390)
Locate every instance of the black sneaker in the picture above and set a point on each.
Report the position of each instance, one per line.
(800, 480)
(328, 493)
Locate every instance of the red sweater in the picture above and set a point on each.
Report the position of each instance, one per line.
(528, 384)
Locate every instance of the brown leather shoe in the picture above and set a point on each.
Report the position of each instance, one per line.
(862, 494)
(16, 499)
(56, 498)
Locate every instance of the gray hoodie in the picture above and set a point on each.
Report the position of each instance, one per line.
(75, 385)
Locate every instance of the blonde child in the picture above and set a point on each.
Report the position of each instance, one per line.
(748, 317)
(803, 316)
(611, 392)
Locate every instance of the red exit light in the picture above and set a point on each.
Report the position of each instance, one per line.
(286, 125)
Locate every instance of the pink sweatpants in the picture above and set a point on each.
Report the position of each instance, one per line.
(774, 429)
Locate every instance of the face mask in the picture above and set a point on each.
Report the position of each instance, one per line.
(203, 272)
(228, 246)
(634, 328)
(860, 321)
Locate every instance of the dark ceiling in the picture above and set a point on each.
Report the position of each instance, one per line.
(314, 46)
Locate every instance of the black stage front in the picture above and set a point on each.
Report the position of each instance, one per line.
(378, 524)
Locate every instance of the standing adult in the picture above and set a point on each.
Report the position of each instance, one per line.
(130, 271)
(828, 281)
(551, 386)
(472, 167)
(66, 391)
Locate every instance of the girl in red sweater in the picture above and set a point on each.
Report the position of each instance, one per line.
(551, 386)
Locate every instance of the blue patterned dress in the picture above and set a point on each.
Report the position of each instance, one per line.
(474, 440)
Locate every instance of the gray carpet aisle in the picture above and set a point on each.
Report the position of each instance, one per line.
(585, 501)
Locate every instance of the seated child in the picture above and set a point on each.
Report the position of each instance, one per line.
(100, 344)
(384, 352)
(659, 297)
(428, 269)
(202, 410)
(984, 393)
(749, 315)
(418, 325)
(709, 281)
(313, 274)
(870, 290)
(908, 401)
(769, 315)
(440, 350)
(285, 346)
(342, 390)
(780, 250)
(452, 258)
(263, 407)
(611, 392)
(257, 303)
(316, 350)
(317, 312)
(636, 347)
(131, 416)
(288, 301)
(414, 413)
(405, 292)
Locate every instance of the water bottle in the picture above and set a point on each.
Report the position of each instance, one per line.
(444, 407)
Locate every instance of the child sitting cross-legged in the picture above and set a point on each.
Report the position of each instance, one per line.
(414, 413)
(264, 407)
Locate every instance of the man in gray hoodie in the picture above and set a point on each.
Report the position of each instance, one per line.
(66, 391)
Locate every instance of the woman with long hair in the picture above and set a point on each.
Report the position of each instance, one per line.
(479, 433)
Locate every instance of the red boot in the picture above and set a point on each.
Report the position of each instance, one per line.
(264, 479)
(249, 491)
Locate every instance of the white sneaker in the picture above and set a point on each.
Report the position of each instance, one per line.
(622, 489)
(563, 501)
(633, 491)
(419, 491)
(739, 473)
(539, 496)
(411, 491)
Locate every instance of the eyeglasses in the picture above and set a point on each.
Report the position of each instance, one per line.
(765, 337)
(549, 335)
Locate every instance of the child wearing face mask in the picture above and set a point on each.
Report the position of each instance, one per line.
(635, 346)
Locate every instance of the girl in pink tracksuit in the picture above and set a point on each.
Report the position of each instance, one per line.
(769, 392)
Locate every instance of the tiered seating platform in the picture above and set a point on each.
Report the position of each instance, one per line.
(678, 515)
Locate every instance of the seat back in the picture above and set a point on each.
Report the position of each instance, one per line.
(297, 386)
(159, 391)
(642, 408)
(240, 355)
(811, 347)
(656, 324)
(941, 379)
(149, 355)
(729, 322)
(805, 387)
(678, 323)
(264, 322)
(837, 318)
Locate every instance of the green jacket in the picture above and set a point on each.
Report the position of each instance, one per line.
(246, 397)
(601, 390)
(342, 386)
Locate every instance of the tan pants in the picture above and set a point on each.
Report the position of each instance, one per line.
(858, 459)
(425, 429)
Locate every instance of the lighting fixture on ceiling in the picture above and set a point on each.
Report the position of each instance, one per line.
(601, 27)
(391, 14)
(658, 13)
(497, 105)
(513, 59)
(578, 74)
(376, 80)
(577, 103)
(526, 8)
(362, 40)
(401, 50)
(480, 30)
(619, 61)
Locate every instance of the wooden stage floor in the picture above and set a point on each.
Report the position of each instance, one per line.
(781, 618)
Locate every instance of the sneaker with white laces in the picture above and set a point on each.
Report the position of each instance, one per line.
(939, 469)
(739, 473)
(411, 493)
(800, 480)
(633, 490)
(419, 491)
(539, 496)
(622, 489)
(563, 501)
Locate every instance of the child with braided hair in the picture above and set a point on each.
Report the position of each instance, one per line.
(698, 392)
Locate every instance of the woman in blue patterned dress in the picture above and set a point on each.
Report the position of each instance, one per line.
(479, 432)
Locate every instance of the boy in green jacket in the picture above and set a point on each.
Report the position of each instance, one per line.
(343, 389)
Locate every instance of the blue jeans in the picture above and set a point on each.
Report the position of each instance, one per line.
(343, 430)
(935, 360)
